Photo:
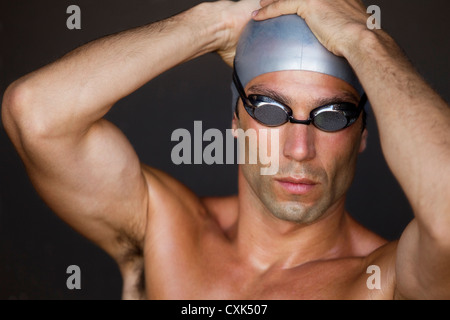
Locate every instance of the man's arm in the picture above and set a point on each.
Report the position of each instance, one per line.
(414, 125)
(82, 165)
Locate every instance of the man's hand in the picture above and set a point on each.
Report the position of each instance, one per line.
(336, 23)
(235, 15)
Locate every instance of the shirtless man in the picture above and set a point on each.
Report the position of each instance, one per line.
(168, 243)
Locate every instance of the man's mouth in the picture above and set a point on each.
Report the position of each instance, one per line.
(298, 186)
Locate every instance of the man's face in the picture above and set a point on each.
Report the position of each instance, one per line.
(316, 168)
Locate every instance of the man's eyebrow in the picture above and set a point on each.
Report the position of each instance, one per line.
(344, 96)
(275, 95)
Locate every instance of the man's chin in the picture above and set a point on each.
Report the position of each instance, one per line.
(298, 212)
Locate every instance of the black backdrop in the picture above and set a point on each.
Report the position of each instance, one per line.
(36, 247)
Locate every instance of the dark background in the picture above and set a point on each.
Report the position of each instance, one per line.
(36, 247)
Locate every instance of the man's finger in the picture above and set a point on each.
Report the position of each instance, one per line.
(278, 8)
(264, 3)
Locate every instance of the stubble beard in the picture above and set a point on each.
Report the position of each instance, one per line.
(300, 209)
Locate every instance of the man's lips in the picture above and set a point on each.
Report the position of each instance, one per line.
(296, 185)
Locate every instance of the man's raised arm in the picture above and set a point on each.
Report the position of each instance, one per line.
(82, 165)
(414, 125)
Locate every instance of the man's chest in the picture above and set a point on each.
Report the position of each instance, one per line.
(217, 274)
(192, 259)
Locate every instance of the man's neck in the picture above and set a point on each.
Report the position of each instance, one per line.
(267, 241)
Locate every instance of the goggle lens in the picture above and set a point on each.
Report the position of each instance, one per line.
(270, 115)
(330, 121)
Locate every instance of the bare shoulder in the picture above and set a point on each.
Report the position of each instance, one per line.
(374, 248)
(223, 209)
(163, 187)
(364, 241)
(378, 258)
(176, 202)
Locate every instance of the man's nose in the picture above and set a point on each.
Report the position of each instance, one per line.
(299, 142)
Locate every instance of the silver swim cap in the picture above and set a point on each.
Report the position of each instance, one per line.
(286, 43)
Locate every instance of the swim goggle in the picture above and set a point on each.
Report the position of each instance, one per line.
(269, 112)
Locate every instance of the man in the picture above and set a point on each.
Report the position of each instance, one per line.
(284, 236)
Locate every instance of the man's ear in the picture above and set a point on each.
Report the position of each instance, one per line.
(363, 144)
(235, 124)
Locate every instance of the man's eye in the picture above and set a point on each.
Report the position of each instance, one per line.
(342, 106)
(261, 98)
